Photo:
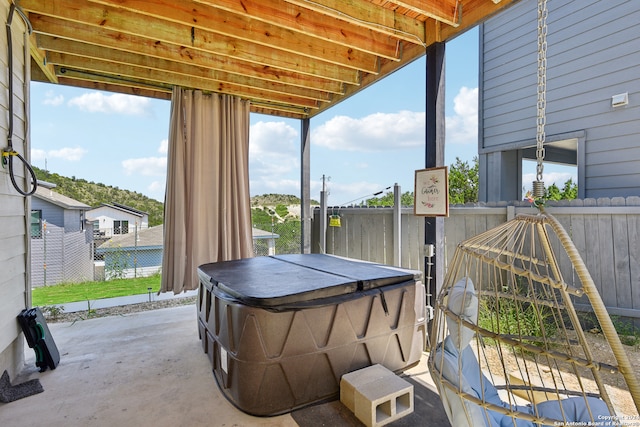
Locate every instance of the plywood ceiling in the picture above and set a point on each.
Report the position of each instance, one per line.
(290, 58)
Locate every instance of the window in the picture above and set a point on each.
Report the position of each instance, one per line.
(120, 227)
(36, 224)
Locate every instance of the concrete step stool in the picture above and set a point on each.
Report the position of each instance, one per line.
(376, 395)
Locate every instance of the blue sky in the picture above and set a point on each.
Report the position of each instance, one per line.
(362, 145)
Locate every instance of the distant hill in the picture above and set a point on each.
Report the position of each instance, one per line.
(277, 199)
(94, 194)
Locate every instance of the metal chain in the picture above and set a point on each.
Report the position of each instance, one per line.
(542, 96)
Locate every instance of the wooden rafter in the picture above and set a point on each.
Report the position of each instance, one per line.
(292, 58)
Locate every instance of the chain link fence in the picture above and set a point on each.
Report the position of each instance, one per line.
(136, 253)
(60, 255)
(276, 238)
(61, 251)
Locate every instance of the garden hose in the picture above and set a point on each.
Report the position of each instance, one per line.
(9, 153)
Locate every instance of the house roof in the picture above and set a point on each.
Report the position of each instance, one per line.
(153, 236)
(46, 193)
(290, 58)
(128, 208)
(123, 208)
(261, 234)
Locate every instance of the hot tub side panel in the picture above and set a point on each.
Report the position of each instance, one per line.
(270, 362)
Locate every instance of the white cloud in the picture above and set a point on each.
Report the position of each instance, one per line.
(157, 186)
(273, 150)
(147, 166)
(404, 129)
(67, 153)
(557, 178)
(52, 99)
(462, 127)
(376, 132)
(157, 190)
(266, 137)
(97, 102)
(164, 147)
(37, 154)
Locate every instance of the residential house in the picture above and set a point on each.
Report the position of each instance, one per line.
(136, 254)
(264, 242)
(112, 219)
(140, 254)
(592, 96)
(61, 244)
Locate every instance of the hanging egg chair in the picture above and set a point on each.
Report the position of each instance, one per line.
(509, 348)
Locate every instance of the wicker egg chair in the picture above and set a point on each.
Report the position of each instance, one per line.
(508, 346)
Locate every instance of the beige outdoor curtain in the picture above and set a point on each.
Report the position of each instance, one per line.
(207, 212)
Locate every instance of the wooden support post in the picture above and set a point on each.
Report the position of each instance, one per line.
(434, 157)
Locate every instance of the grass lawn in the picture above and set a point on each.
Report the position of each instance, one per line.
(72, 292)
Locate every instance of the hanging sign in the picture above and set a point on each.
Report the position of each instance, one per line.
(334, 221)
(431, 195)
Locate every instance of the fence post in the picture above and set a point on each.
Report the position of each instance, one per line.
(323, 222)
(397, 226)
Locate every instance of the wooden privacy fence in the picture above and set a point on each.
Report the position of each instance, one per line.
(605, 231)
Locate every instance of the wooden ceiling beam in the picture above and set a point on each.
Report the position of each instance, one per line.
(39, 58)
(189, 35)
(113, 86)
(272, 22)
(368, 16)
(243, 62)
(445, 11)
(73, 31)
(279, 110)
(75, 64)
(307, 21)
(53, 44)
(473, 12)
(106, 84)
(291, 58)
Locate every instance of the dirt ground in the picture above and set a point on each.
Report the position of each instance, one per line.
(601, 352)
(618, 390)
(119, 310)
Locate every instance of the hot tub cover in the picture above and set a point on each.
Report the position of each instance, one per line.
(271, 281)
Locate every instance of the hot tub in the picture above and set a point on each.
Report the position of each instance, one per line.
(280, 331)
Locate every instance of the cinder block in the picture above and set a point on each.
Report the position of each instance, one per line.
(353, 380)
(376, 395)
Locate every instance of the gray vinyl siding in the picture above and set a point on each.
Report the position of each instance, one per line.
(14, 208)
(72, 220)
(49, 247)
(593, 54)
(54, 215)
(65, 247)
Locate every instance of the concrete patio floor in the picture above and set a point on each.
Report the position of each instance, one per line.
(149, 369)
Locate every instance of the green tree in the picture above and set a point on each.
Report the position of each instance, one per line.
(569, 191)
(463, 181)
(406, 199)
(282, 210)
(261, 216)
(94, 194)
